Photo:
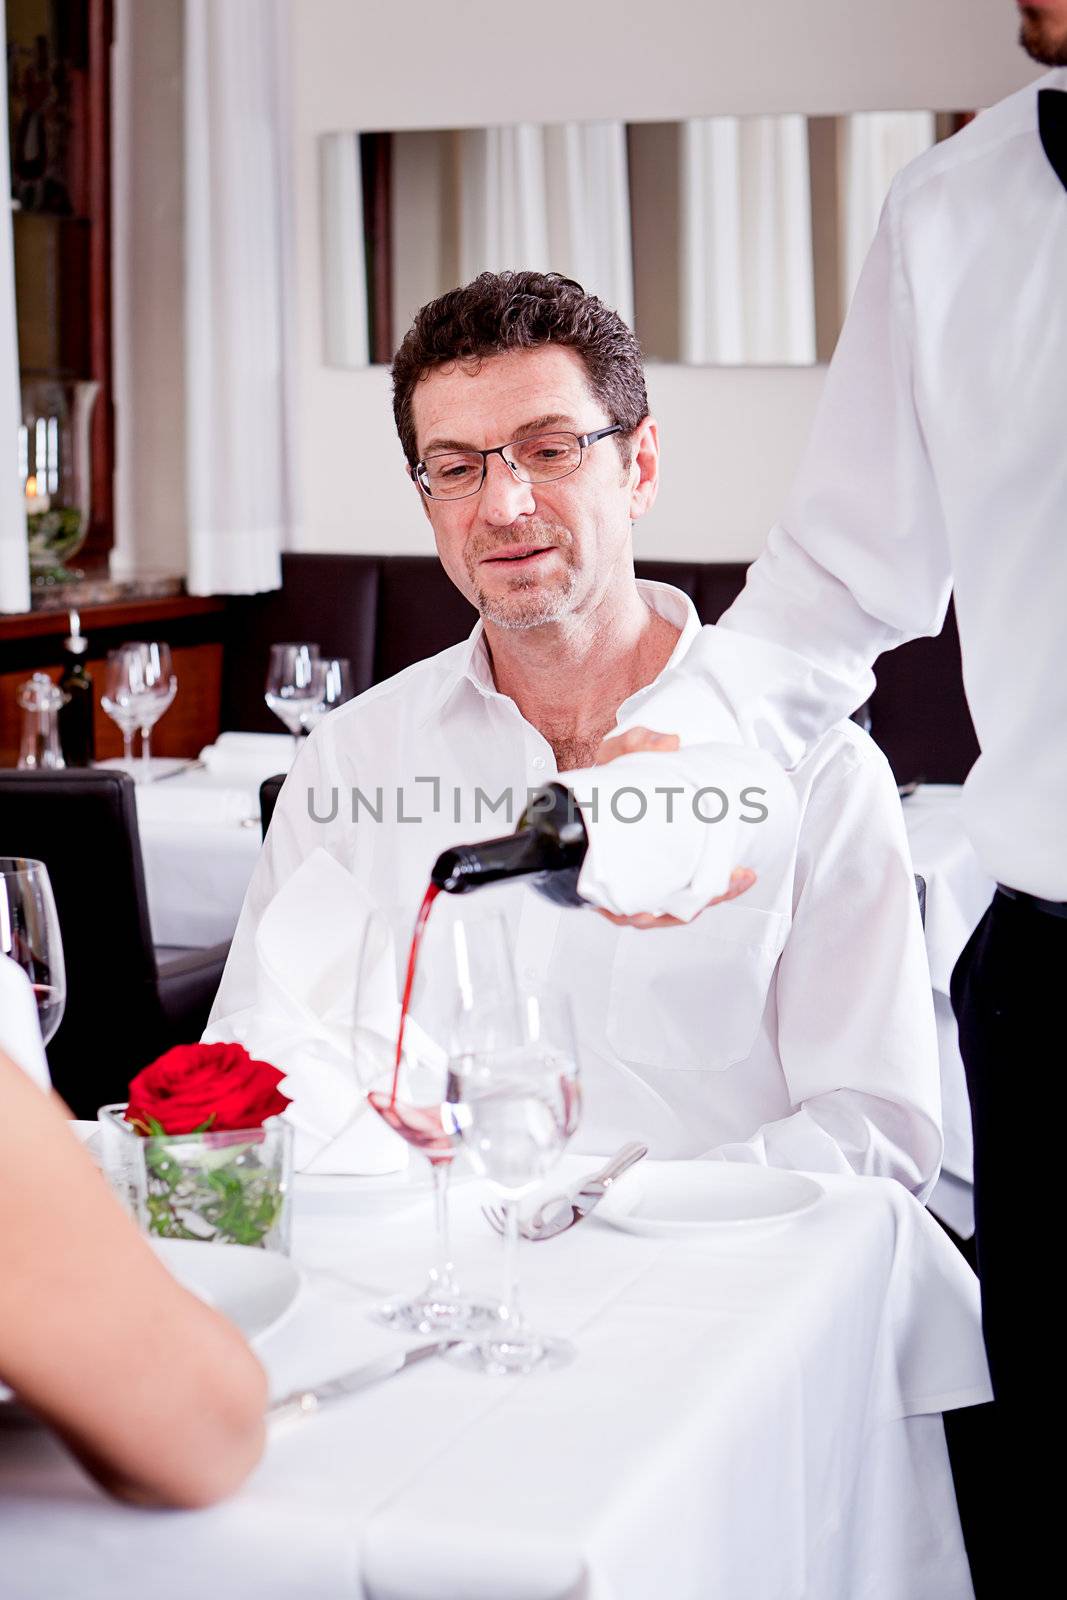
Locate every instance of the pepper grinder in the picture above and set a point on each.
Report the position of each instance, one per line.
(40, 700)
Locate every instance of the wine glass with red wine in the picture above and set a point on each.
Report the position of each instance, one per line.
(29, 934)
(420, 988)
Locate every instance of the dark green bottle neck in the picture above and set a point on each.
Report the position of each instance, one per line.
(549, 842)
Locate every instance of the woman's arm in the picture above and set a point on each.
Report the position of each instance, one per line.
(158, 1396)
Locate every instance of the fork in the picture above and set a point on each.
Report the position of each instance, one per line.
(562, 1211)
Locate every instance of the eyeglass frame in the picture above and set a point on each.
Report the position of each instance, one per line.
(585, 440)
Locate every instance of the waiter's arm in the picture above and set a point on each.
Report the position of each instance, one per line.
(859, 562)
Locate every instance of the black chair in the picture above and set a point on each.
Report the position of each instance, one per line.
(269, 790)
(127, 1002)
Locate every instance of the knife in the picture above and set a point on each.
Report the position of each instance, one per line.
(305, 1402)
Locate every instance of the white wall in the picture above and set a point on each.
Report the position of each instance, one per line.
(731, 438)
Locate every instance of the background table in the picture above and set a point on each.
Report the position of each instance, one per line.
(749, 1415)
(200, 837)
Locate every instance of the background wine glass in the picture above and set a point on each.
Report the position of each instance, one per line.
(29, 934)
(295, 684)
(464, 966)
(124, 687)
(159, 686)
(515, 1104)
(336, 689)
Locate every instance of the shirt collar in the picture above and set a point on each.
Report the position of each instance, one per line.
(470, 668)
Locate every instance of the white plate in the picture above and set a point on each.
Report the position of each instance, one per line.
(254, 1288)
(689, 1196)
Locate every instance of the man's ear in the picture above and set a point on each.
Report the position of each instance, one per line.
(644, 468)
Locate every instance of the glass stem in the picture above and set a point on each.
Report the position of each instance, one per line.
(127, 744)
(510, 1310)
(442, 1274)
(146, 744)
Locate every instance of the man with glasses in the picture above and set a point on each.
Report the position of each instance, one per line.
(521, 407)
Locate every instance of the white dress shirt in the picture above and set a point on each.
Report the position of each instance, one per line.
(938, 460)
(792, 1027)
(20, 1032)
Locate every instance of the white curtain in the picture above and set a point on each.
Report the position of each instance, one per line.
(548, 198)
(240, 357)
(747, 279)
(876, 145)
(14, 553)
(344, 263)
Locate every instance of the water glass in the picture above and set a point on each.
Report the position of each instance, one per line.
(515, 1104)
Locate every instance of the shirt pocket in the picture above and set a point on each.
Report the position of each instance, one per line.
(692, 998)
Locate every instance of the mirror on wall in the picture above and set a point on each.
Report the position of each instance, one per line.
(727, 241)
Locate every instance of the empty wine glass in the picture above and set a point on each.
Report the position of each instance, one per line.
(160, 685)
(124, 687)
(29, 934)
(295, 684)
(465, 965)
(515, 1103)
(336, 689)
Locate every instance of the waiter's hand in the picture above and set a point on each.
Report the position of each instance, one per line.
(628, 743)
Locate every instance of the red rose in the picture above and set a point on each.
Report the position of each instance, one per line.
(194, 1084)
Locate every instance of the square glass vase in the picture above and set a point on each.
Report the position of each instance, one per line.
(230, 1187)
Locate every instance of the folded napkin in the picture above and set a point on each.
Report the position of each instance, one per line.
(249, 757)
(308, 951)
(667, 829)
(20, 1032)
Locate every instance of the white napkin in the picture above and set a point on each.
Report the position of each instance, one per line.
(308, 948)
(671, 853)
(20, 1032)
(249, 757)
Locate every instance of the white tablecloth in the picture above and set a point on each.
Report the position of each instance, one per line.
(200, 836)
(957, 894)
(751, 1417)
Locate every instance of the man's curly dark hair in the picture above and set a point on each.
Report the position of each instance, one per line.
(501, 311)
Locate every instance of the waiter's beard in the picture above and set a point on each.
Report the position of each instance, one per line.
(530, 599)
(1040, 40)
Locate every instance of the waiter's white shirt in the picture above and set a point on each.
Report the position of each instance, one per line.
(20, 1032)
(793, 1027)
(939, 459)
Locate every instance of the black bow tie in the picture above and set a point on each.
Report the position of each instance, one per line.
(1052, 126)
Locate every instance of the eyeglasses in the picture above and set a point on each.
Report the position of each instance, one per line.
(455, 474)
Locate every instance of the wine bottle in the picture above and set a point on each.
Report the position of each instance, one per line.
(547, 848)
(76, 714)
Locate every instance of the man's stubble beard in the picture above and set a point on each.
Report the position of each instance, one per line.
(529, 601)
(1040, 46)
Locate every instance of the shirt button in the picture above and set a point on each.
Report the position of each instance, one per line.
(529, 974)
(538, 762)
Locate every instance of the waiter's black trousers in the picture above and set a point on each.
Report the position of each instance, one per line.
(1008, 992)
